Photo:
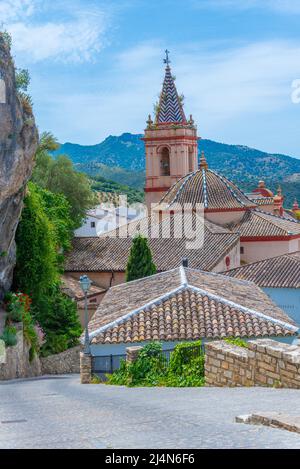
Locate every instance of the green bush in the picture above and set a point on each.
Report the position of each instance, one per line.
(18, 310)
(15, 308)
(186, 367)
(236, 341)
(9, 336)
(57, 315)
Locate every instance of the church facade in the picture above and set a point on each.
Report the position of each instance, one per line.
(174, 179)
(170, 143)
(238, 228)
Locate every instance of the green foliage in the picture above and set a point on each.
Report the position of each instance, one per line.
(59, 177)
(186, 367)
(9, 336)
(36, 266)
(140, 262)
(6, 36)
(26, 101)
(236, 341)
(95, 379)
(45, 229)
(58, 210)
(47, 143)
(18, 309)
(22, 79)
(147, 370)
(57, 315)
(101, 184)
(14, 308)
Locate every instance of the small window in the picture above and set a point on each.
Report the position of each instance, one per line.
(165, 162)
(242, 249)
(93, 224)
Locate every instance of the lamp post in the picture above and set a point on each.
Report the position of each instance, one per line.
(85, 284)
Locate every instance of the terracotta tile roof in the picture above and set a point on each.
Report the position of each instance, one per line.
(71, 287)
(208, 188)
(109, 253)
(258, 223)
(276, 272)
(184, 304)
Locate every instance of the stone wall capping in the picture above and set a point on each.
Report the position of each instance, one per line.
(264, 362)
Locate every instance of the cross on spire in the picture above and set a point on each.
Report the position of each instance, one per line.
(167, 60)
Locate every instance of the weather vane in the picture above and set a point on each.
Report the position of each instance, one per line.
(167, 60)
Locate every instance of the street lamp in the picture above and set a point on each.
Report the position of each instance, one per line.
(85, 284)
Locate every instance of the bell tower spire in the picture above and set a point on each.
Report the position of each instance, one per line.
(170, 141)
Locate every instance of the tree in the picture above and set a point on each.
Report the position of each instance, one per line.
(58, 210)
(44, 230)
(140, 262)
(36, 266)
(58, 176)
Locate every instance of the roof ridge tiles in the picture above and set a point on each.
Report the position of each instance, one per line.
(186, 179)
(226, 181)
(146, 306)
(276, 216)
(244, 309)
(184, 285)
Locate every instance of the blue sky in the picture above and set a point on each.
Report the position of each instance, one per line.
(97, 68)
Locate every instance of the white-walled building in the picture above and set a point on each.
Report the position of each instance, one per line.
(105, 218)
(279, 277)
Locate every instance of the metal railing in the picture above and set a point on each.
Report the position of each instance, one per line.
(110, 363)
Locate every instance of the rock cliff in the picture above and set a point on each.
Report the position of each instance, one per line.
(18, 143)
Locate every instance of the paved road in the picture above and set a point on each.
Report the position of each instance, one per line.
(60, 413)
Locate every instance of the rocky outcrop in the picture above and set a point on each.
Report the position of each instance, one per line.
(18, 143)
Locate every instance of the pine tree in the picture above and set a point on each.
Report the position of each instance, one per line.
(140, 263)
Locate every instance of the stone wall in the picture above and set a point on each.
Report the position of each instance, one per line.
(85, 368)
(264, 362)
(14, 362)
(62, 363)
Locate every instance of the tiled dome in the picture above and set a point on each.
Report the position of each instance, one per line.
(208, 188)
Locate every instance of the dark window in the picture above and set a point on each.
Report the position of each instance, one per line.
(191, 160)
(165, 162)
(242, 249)
(93, 224)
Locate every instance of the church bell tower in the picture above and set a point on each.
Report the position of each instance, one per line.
(170, 142)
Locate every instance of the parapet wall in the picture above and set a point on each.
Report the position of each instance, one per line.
(264, 362)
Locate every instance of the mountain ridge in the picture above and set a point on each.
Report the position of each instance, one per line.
(122, 159)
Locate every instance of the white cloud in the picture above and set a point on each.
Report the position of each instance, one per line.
(15, 9)
(224, 89)
(74, 34)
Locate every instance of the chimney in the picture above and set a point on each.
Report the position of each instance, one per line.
(185, 262)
